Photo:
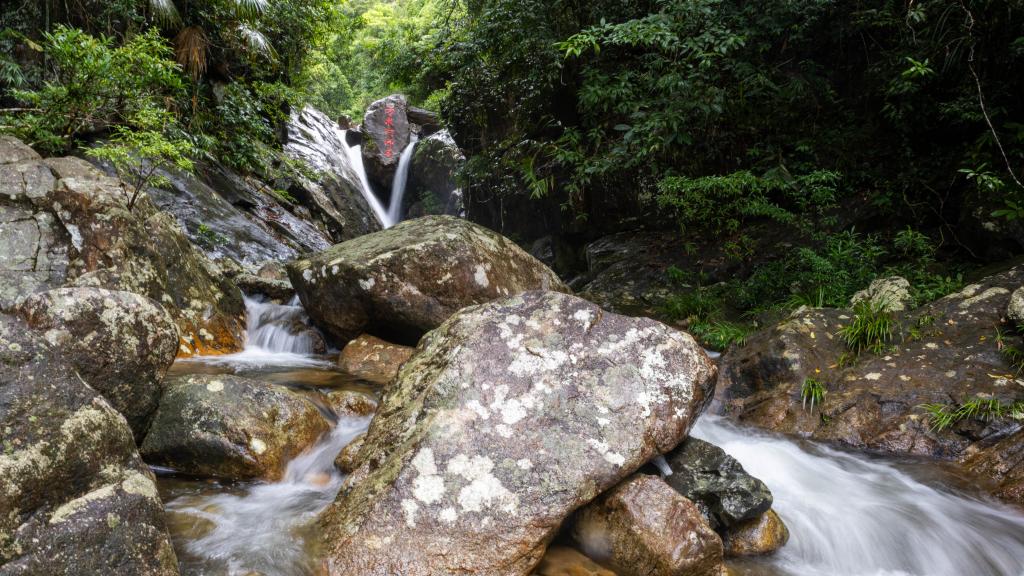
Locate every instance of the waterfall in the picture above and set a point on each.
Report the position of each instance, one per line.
(852, 515)
(355, 161)
(399, 184)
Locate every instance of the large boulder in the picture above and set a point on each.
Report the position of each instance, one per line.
(510, 416)
(386, 133)
(372, 359)
(77, 499)
(432, 185)
(717, 483)
(120, 343)
(334, 191)
(950, 353)
(76, 222)
(231, 427)
(402, 282)
(645, 528)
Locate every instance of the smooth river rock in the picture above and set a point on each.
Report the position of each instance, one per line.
(645, 528)
(120, 343)
(231, 427)
(511, 415)
(372, 359)
(759, 536)
(402, 282)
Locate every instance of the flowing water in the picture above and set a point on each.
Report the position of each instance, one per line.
(355, 161)
(399, 184)
(850, 515)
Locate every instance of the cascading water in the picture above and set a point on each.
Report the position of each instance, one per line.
(399, 184)
(262, 530)
(854, 516)
(355, 161)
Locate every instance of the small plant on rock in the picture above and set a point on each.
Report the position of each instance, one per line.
(944, 416)
(812, 391)
(872, 327)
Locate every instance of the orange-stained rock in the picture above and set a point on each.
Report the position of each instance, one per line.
(373, 359)
(563, 561)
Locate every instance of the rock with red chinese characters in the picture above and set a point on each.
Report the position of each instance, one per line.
(386, 133)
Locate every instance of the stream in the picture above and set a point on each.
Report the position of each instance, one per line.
(848, 514)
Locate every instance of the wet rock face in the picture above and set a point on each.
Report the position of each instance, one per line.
(77, 499)
(230, 427)
(1002, 464)
(372, 359)
(759, 536)
(334, 193)
(120, 343)
(643, 527)
(68, 224)
(386, 132)
(405, 281)
(949, 354)
(432, 185)
(510, 416)
(717, 483)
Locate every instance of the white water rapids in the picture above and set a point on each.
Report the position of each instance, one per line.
(849, 515)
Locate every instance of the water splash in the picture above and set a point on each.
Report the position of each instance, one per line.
(263, 530)
(849, 515)
(278, 335)
(399, 184)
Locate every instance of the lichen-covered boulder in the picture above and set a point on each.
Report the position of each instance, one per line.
(231, 427)
(351, 403)
(643, 527)
(757, 537)
(950, 353)
(120, 343)
(76, 497)
(372, 359)
(892, 294)
(386, 132)
(1015, 309)
(510, 416)
(717, 483)
(407, 280)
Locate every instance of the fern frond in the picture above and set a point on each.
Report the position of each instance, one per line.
(165, 11)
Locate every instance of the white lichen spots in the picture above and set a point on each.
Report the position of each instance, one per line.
(931, 346)
(307, 275)
(409, 508)
(524, 464)
(215, 386)
(140, 485)
(602, 422)
(367, 284)
(951, 374)
(904, 378)
(448, 515)
(205, 334)
(991, 292)
(428, 487)
(479, 409)
(480, 276)
(872, 376)
(584, 317)
(504, 431)
(257, 446)
(484, 489)
(68, 509)
(605, 451)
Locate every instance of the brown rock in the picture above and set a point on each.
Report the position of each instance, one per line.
(372, 359)
(762, 535)
(563, 561)
(1002, 465)
(346, 460)
(351, 403)
(645, 528)
(407, 280)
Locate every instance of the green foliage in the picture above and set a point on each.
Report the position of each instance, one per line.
(944, 416)
(872, 327)
(93, 86)
(812, 391)
(719, 334)
(700, 304)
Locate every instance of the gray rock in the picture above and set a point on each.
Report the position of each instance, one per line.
(717, 483)
(892, 294)
(119, 343)
(1015, 309)
(231, 427)
(386, 132)
(432, 188)
(510, 416)
(407, 280)
(13, 150)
